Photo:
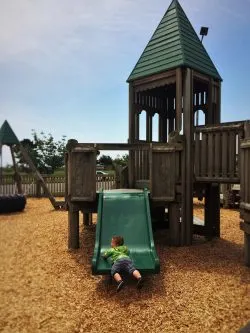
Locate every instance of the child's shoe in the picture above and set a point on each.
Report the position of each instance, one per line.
(120, 285)
(139, 283)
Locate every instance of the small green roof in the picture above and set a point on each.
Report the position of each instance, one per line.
(7, 136)
(174, 44)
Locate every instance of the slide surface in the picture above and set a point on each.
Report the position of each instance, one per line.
(125, 214)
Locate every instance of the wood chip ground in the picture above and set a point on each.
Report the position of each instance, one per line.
(46, 288)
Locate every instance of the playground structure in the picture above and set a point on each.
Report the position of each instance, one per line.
(8, 138)
(176, 79)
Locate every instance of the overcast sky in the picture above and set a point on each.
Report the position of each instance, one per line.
(64, 63)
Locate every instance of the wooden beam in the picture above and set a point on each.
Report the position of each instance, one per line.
(247, 249)
(81, 147)
(216, 179)
(201, 77)
(17, 176)
(187, 177)
(174, 223)
(217, 115)
(170, 75)
(178, 100)
(131, 114)
(221, 127)
(137, 126)
(149, 127)
(73, 227)
(131, 162)
(212, 211)
(38, 176)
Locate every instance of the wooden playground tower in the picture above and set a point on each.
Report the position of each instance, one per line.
(175, 79)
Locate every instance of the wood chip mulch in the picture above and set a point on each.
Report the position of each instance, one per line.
(46, 288)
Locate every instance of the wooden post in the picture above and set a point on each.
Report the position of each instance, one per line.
(178, 101)
(188, 165)
(174, 223)
(17, 177)
(217, 115)
(247, 249)
(131, 136)
(160, 127)
(212, 196)
(245, 193)
(212, 211)
(73, 227)
(137, 126)
(38, 189)
(38, 176)
(87, 219)
(149, 127)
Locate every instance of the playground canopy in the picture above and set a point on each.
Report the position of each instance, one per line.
(174, 44)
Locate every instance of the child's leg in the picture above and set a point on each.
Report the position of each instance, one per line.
(117, 277)
(137, 274)
(139, 279)
(119, 281)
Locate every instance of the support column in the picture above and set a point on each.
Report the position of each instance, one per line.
(164, 128)
(247, 248)
(178, 101)
(174, 223)
(171, 114)
(87, 219)
(187, 167)
(212, 211)
(212, 197)
(73, 227)
(149, 127)
(131, 139)
(137, 126)
(17, 177)
(160, 128)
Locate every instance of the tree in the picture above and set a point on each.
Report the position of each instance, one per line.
(30, 147)
(105, 160)
(46, 153)
(121, 160)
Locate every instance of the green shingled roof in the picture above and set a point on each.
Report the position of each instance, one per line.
(7, 136)
(174, 44)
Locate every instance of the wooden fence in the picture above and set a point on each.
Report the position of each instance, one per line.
(217, 153)
(56, 185)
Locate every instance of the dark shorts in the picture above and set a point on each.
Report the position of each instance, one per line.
(123, 265)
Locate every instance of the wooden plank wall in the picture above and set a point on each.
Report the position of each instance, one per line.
(217, 152)
(83, 175)
(165, 172)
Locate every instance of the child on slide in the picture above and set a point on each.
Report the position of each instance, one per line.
(121, 262)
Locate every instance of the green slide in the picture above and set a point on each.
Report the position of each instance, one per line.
(125, 214)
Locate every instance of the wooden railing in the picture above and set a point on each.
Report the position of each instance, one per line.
(217, 153)
(141, 164)
(156, 166)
